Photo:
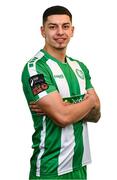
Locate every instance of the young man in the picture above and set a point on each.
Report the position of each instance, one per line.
(61, 91)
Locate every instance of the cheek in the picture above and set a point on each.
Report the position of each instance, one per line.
(49, 36)
(71, 34)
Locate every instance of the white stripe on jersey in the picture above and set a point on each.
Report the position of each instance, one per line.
(86, 154)
(74, 65)
(61, 82)
(41, 147)
(67, 150)
(65, 159)
(32, 70)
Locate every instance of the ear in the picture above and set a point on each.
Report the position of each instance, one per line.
(72, 31)
(42, 29)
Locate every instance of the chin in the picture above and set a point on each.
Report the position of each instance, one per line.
(61, 46)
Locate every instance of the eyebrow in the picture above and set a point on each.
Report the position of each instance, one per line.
(67, 23)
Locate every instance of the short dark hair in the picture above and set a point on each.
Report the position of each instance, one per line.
(56, 10)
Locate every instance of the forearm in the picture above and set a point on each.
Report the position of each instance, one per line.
(54, 107)
(64, 115)
(75, 112)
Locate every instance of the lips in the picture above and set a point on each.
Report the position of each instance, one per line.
(60, 39)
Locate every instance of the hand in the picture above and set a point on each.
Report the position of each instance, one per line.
(93, 96)
(95, 114)
(90, 97)
(35, 108)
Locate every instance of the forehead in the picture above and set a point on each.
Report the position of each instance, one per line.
(58, 19)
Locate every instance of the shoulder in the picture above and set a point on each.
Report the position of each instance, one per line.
(81, 64)
(37, 59)
(33, 65)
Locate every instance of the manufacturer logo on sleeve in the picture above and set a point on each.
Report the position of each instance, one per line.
(60, 76)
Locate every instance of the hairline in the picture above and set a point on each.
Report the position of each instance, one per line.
(58, 15)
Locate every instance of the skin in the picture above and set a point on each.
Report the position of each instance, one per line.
(95, 114)
(57, 32)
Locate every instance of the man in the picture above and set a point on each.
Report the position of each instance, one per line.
(60, 90)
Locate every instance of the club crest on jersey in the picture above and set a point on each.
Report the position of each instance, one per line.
(38, 84)
(80, 73)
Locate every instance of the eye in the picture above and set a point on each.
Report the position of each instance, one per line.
(52, 27)
(66, 26)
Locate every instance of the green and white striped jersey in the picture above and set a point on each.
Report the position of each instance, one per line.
(56, 150)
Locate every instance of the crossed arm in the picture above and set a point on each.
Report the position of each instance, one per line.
(64, 114)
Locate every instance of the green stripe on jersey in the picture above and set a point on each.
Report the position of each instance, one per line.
(57, 150)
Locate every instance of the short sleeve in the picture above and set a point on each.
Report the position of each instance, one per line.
(37, 82)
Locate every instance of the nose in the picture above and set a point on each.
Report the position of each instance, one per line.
(60, 31)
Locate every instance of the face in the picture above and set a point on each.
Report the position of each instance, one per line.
(57, 31)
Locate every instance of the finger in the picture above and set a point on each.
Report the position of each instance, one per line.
(33, 106)
(32, 102)
(66, 103)
(36, 110)
(86, 96)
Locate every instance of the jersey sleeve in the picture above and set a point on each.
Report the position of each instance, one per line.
(87, 76)
(37, 82)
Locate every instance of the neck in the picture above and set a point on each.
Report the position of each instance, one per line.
(56, 53)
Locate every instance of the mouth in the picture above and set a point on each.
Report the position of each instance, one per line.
(60, 40)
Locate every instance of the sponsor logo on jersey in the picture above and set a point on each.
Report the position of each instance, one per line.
(38, 83)
(74, 99)
(80, 73)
